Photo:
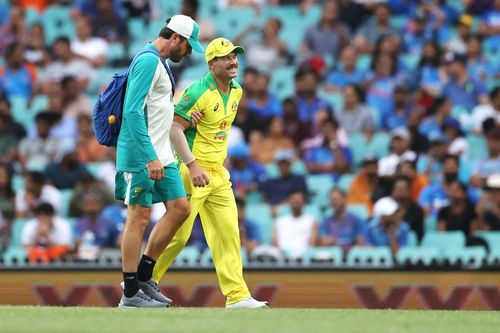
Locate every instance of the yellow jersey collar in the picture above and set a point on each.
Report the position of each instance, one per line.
(212, 84)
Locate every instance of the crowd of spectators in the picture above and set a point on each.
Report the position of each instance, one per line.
(381, 123)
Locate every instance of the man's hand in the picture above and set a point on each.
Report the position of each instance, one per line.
(199, 177)
(196, 118)
(155, 168)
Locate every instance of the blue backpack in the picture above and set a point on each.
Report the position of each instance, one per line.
(108, 109)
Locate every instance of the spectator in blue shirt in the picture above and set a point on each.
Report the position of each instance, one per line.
(341, 228)
(428, 69)
(478, 65)
(419, 32)
(490, 25)
(398, 115)
(276, 191)
(309, 104)
(381, 84)
(329, 156)
(263, 105)
(246, 175)
(490, 165)
(379, 26)
(439, 111)
(66, 173)
(461, 89)
(249, 230)
(15, 78)
(346, 72)
(387, 228)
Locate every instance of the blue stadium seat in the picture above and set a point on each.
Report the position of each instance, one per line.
(169, 8)
(313, 209)
(15, 253)
(282, 82)
(56, 22)
(369, 256)
(31, 16)
(293, 34)
(378, 146)
(20, 112)
(412, 238)
(360, 210)
(410, 61)
(494, 257)
(38, 104)
(66, 196)
(116, 51)
(137, 30)
(492, 238)
(344, 182)
(194, 73)
(206, 258)
(208, 8)
(332, 255)
(231, 22)
(480, 148)
(188, 256)
(444, 240)
(335, 99)
(398, 21)
(364, 61)
(319, 187)
(17, 183)
(472, 256)
(415, 255)
(260, 213)
(430, 223)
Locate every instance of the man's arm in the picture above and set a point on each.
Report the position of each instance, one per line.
(198, 176)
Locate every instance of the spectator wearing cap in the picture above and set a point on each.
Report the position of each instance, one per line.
(409, 210)
(295, 233)
(345, 72)
(387, 228)
(276, 191)
(354, 116)
(400, 144)
(431, 164)
(458, 144)
(35, 192)
(341, 228)
(418, 181)
(46, 237)
(459, 214)
(249, 230)
(461, 89)
(327, 37)
(488, 207)
(369, 33)
(246, 175)
(457, 43)
(263, 147)
(365, 185)
(490, 165)
(329, 156)
(486, 111)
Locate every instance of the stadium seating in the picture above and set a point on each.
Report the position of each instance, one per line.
(365, 256)
(188, 256)
(492, 238)
(418, 255)
(323, 255)
(282, 82)
(260, 213)
(15, 253)
(471, 257)
(444, 241)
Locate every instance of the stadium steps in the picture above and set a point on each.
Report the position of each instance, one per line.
(367, 256)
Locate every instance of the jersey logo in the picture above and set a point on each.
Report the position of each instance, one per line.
(234, 107)
(137, 191)
(216, 107)
(220, 136)
(223, 125)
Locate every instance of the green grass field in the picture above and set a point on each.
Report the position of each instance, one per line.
(208, 320)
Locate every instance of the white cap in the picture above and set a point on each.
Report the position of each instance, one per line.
(386, 206)
(187, 28)
(401, 132)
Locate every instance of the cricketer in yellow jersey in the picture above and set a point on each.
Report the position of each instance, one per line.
(205, 179)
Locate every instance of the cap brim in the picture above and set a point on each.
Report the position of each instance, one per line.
(236, 49)
(196, 46)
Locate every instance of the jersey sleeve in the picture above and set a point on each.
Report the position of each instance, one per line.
(189, 103)
(139, 83)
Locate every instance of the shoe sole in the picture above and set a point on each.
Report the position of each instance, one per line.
(122, 284)
(123, 306)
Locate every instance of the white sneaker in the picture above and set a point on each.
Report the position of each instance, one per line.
(248, 303)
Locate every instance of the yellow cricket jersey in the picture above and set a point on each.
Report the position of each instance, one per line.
(208, 141)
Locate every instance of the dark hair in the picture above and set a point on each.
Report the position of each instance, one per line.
(338, 190)
(37, 177)
(462, 186)
(451, 157)
(360, 93)
(413, 163)
(438, 103)
(476, 37)
(62, 39)
(378, 51)
(240, 201)
(494, 92)
(167, 32)
(44, 116)
(251, 70)
(277, 20)
(436, 60)
(9, 190)
(403, 179)
(192, 3)
(11, 48)
(67, 80)
(306, 71)
(45, 209)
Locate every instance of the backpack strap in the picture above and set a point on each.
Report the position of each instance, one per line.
(163, 62)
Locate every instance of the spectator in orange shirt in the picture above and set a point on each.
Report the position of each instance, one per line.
(418, 180)
(364, 185)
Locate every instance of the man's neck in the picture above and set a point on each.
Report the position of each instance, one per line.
(163, 47)
(224, 86)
